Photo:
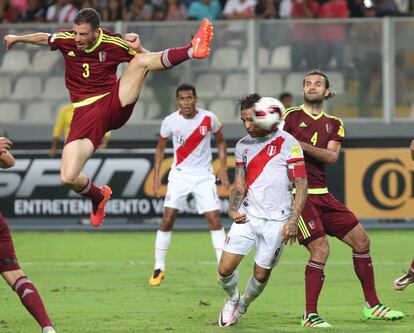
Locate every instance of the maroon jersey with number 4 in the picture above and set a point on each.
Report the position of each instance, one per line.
(318, 131)
(91, 72)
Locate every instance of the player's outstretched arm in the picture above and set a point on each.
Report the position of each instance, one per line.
(290, 229)
(134, 42)
(412, 149)
(39, 38)
(328, 156)
(159, 156)
(6, 159)
(237, 195)
(222, 153)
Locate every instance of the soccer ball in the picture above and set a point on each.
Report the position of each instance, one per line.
(268, 112)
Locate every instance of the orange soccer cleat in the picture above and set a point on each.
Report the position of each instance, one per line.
(202, 40)
(98, 217)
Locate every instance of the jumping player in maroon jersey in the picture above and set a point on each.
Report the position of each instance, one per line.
(9, 266)
(402, 282)
(320, 136)
(102, 102)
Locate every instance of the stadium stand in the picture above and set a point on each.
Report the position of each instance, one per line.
(208, 85)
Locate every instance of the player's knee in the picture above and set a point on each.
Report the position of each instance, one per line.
(167, 223)
(225, 271)
(320, 251)
(67, 179)
(261, 275)
(362, 244)
(140, 61)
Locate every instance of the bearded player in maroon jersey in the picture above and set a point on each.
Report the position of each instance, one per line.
(320, 136)
(9, 266)
(102, 102)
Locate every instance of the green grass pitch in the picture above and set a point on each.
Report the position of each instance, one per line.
(97, 282)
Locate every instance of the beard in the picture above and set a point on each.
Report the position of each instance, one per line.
(315, 101)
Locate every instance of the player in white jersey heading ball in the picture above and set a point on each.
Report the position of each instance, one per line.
(191, 129)
(262, 208)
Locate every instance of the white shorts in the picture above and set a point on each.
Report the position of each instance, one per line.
(202, 187)
(263, 234)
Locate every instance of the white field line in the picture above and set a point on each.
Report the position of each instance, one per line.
(187, 263)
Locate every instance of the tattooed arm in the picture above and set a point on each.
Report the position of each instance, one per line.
(237, 195)
(291, 227)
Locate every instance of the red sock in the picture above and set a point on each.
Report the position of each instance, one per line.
(314, 278)
(412, 266)
(365, 272)
(175, 56)
(32, 301)
(92, 192)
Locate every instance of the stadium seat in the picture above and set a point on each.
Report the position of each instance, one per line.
(337, 82)
(225, 109)
(208, 85)
(225, 58)
(27, 88)
(280, 58)
(263, 58)
(39, 113)
(15, 61)
(5, 87)
(293, 83)
(235, 86)
(138, 115)
(153, 111)
(345, 111)
(55, 89)
(147, 94)
(10, 113)
(270, 84)
(44, 61)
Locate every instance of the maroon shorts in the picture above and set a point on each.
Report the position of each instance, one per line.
(8, 260)
(94, 120)
(324, 214)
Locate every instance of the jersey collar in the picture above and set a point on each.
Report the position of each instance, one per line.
(98, 42)
(314, 117)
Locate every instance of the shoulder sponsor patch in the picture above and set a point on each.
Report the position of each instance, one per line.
(341, 131)
(295, 151)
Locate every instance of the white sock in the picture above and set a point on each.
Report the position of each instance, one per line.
(162, 243)
(229, 285)
(217, 238)
(253, 289)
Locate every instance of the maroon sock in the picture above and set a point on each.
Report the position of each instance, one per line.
(314, 278)
(365, 272)
(412, 267)
(32, 301)
(92, 192)
(175, 56)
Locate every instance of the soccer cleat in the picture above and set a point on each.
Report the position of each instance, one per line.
(156, 278)
(382, 312)
(202, 40)
(48, 330)
(237, 314)
(403, 281)
(97, 217)
(226, 313)
(313, 320)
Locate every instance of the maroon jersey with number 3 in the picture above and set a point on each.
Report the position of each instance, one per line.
(318, 131)
(91, 72)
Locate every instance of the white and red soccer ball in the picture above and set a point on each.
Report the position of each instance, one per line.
(268, 113)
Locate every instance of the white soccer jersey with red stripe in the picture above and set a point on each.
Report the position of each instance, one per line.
(191, 139)
(266, 160)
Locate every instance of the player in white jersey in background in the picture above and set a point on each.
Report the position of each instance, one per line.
(191, 172)
(262, 208)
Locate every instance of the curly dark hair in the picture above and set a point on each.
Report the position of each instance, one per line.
(90, 16)
(248, 101)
